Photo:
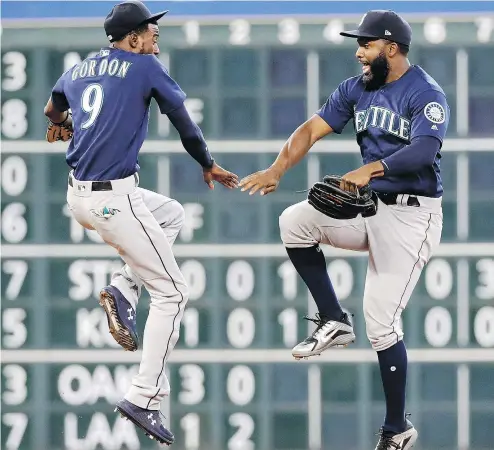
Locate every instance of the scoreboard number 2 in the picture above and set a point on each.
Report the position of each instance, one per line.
(245, 429)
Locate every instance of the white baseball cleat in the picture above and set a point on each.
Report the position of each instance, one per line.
(401, 441)
(329, 333)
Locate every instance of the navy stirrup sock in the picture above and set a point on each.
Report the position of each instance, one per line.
(393, 364)
(311, 266)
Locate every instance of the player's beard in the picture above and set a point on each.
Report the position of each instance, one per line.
(379, 71)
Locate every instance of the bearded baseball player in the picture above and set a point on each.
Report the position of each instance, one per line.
(109, 97)
(390, 207)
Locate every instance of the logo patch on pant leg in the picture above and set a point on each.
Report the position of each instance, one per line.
(105, 212)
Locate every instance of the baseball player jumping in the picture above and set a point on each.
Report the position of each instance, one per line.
(109, 97)
(400, 116)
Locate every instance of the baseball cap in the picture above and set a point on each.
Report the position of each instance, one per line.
(382, 24)
(126, 17)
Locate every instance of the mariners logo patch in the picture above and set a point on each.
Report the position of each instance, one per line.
(434, 112)
(105, 212)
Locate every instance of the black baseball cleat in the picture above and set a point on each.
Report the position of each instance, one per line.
(147, 420)
(329, 333)
(399, 441)
(121, 317)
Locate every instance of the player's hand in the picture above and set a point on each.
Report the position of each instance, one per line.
(362, 176)
(222, 176)
(355, 179)
(266, 181)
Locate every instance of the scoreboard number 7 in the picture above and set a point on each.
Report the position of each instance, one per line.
(17, 422)
(17, 271)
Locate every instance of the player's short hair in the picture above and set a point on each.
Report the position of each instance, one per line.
(403, 49)
(140, 29)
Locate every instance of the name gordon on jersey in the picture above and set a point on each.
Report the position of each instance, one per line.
(93, 68)
(389, 121)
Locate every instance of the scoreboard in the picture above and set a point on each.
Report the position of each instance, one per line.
(249, 82)
(242, 76)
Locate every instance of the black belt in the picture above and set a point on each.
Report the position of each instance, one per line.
(99, 185)
(396, 199)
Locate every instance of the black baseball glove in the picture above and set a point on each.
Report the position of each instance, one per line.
(329, 198)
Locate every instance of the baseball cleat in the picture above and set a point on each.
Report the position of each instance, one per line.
(121, 317)
(401, 441)
(329, 333)
(147, 420)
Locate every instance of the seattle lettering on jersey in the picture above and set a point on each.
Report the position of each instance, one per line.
(98, 68)
(387, 120)
(383, 118)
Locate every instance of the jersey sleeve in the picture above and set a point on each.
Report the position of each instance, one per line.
(338, 108)
(58, 96)
(164, 89)
(429, 115)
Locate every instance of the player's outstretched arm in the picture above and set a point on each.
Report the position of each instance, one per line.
(222, 176)
(195, 144)
(294, 150)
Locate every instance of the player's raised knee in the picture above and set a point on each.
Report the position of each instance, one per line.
(178, 214)
(293, 226)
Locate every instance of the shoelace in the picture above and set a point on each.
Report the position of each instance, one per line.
(318, 320)
(386, 442)
(162, 418)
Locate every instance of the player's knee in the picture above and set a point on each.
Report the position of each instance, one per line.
(292, 229)
(178, 214)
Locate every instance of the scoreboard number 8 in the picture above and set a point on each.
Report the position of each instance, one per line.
(14, 118)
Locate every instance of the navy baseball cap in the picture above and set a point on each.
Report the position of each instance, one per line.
(127, 16)
(382, 24)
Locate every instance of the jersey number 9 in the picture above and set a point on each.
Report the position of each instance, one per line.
(91, 103)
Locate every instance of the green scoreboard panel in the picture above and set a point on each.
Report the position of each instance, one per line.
(242, 77)
(234, 383)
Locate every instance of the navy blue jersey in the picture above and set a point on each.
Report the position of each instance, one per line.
(109, 96)
(387, 119)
